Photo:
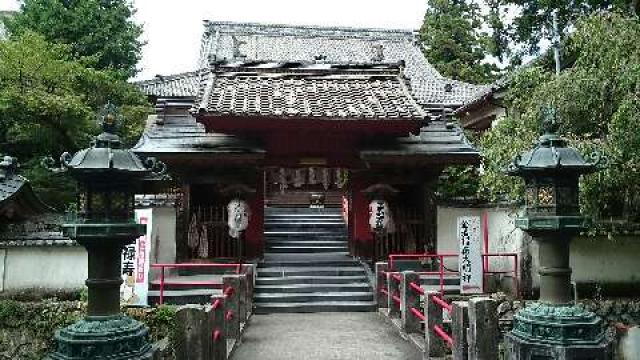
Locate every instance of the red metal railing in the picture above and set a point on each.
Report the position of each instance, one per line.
(236, 267)
(437, 329)
(442, 271)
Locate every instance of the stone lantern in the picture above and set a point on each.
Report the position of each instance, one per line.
(107, 176)
(554, 327)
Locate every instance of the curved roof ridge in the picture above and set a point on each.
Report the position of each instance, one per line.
(318, 30)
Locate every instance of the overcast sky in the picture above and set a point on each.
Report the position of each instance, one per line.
(172, 28)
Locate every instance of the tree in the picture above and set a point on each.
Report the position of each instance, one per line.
(533, 21)
(598, 99)
(48, 104)
(101, 30)
(453, 42)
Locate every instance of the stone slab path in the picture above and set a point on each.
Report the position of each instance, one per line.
(323, 336)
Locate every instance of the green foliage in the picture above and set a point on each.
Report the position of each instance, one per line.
(453, 43)
(101, 30)
(533, 21)
(27, 328)
(48, 105)
(597, 100)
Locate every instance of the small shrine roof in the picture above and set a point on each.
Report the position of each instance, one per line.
(309, 90)
(439, 138)
(17, 199)
(178, 85)
(173, 131)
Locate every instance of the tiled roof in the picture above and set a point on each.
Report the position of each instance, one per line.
(179, 85)
(437, 138)
(174, 131)
(229, 42)
(42, 230)
(224, 41)
(310, 91)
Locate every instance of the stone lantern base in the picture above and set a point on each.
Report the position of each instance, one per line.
(558, 332)
(115, 338)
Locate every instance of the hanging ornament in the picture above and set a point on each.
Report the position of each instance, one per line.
(238, 214)
(380, 218)
(192, 233)
(282, 179)
(203, 246)
(313, 177)
(326, 178)
(342, 176)
(298, 178)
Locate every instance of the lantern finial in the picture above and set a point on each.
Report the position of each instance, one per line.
(109, 117)
(549, 116)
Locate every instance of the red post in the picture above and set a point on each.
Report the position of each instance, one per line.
(162, 285)
(441, 274)
(515, 275)
(485, 236)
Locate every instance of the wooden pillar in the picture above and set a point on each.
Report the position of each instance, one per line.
(362, 236)
(254, 236)
(430, 213)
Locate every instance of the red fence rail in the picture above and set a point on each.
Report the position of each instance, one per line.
(443, 271)
(237, 268)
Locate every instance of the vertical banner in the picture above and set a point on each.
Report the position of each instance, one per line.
(135, 264)
(470, 258)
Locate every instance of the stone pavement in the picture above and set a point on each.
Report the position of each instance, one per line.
(323, 336)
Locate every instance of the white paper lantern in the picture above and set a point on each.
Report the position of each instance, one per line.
(238, 217)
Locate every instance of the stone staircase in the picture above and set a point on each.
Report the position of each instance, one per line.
(307, 267)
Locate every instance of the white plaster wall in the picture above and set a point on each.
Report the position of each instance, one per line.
(603, 259)
(3, 256)
(503, 236)
(44, 267)
(163, 235)
(598, 259)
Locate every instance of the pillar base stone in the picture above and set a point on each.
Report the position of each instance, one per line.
(115, 338)
(558, 332)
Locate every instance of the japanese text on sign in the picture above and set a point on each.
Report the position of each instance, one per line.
(470, 258)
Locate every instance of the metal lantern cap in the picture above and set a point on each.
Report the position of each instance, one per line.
(551, 154)
(107, 157)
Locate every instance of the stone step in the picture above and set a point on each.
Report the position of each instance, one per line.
(295, 235)
(311, 280)
(303, 243)
(183, 297)
(304, 221)
(294, 217)
(315, 306)
(312, 297)
(301, 210)
(448, 289)
(309, 262)
(435, 280)
(335, 256)
(307, 229)
(312, 288)
(306, 249)
(310, 271)
(307, 237)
